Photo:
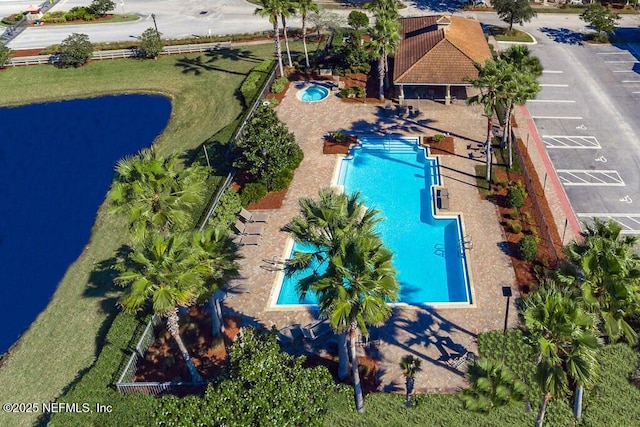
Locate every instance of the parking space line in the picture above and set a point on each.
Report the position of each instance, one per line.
(630, 223)
(625, 71)
(552, 72)
(559, 101)
(552, 85)
(612, 53)
(588, 177)
(631, 81)
(631, 61)
(557, 117)
(571, 141)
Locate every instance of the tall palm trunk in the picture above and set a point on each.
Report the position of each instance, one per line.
(174, 330)
(357, 386)
(577, 404)
(543, 410)
(488, 149)
(304, 40)
(343, 357)
(286, 39)
(386, 71)
(276, 31)
(409, 389)
(381, 76)
(509, 136)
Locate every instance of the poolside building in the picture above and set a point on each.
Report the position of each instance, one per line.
(436, 53)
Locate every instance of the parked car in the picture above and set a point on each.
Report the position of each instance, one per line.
(576, 3)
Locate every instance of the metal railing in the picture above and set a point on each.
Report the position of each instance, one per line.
(121, 53)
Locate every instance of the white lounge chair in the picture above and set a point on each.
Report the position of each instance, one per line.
(315, 330)
(248, 228)
(253, 217)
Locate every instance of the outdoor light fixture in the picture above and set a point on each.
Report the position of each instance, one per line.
(506, 292)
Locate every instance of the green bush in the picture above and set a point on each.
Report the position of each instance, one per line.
(226, 212)
(296, 157)
(516, 194)
(514, 226)
(56, 17)
(12, 19)
(358, 91)
(528, 248)
(279, 85)
(79, 12)
(438, 137)
(254, 81)
(253, 192)
(281, 180)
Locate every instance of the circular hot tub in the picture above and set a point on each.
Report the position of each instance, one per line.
(313, 93)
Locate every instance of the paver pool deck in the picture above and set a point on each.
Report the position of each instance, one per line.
(434, 335)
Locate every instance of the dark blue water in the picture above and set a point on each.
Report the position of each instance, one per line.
(56, 165)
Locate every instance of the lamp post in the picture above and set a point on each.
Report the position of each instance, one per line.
(266, 168)
(153, 16)
(506, 292)
(122, 4)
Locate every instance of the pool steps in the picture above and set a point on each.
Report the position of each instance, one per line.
(390, 143)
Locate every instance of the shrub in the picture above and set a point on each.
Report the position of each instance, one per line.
(227, 210)
(515, 226)
(150, 43)
(516, 194)
(253, 82)
(75, 50)
(296, 157)
(79, 12)
(57, 17)
(101, 7)
(528, 248)
(253, 192)
(281, 180)
(438, 137)
(5, 53)
(279, 85)
(344, 93)
(12, 19)
(358, 91)
(338, 137)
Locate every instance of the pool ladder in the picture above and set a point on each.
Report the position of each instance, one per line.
(464, 244)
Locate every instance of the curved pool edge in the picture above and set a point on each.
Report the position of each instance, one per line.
(300, 93)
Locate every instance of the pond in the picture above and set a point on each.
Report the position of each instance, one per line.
(57, 165)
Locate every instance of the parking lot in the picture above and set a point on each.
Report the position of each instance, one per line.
(588, 118)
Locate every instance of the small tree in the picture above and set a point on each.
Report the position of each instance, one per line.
(101, 7)
(601, 19)
(357, 20)
(75, 50)
(150, 43)
(5, 53)
(410, 367)
(514, 11)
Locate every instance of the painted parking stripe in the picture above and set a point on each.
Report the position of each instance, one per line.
(630, 223)
(552, 72)
(570, 141)
(612, 53)
(553, 85)
(631, 61)
(590, 177)
(631, 81)
(559, 101)
(624, 71)
(557, 117)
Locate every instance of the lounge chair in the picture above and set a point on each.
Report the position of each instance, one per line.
(253, 217)
(247, 239)
(315, 330)
(248, 228)
(443, 198)
(289, 334)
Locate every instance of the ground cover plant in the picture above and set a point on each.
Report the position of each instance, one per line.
(202, 89)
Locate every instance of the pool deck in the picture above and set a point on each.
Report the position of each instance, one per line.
(434, 335)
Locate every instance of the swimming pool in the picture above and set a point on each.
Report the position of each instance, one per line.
(313, 93)
(394, 175)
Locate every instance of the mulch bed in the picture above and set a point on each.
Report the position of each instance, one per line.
(332, 147)
(272, 200)
(549, 252)
(163, 361)
(444, 147)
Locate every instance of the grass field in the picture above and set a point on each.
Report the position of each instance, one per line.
(65, 339)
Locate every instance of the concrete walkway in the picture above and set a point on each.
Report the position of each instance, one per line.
(435, 335)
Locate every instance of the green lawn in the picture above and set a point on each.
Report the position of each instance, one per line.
(65, 339)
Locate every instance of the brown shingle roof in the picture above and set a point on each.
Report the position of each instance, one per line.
(445, 55)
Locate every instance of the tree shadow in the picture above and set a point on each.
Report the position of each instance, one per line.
(563, 35)
(437, 6)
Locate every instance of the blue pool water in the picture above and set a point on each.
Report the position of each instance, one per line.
(57, 165)
(393, 175)
(313, 93)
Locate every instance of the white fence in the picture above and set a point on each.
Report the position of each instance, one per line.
(121, 53)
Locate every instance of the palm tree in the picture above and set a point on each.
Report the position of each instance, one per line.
(271, 9)
(385, 38)
(165, 273)
(522, 88)
(491, 83)
(492, 384)
(359, 279)
(305, 7)
(566, 341)
(607, 268)
(410, 366)
(154, 195)
(552, 381)
(287, 8)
